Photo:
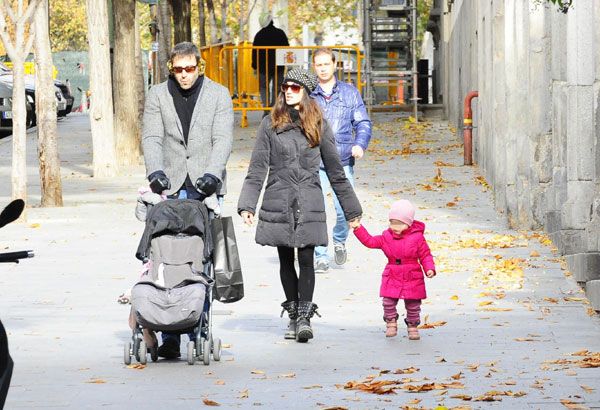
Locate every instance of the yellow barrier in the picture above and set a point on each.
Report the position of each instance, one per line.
(236, 72)
(30, 68)
(210, 54)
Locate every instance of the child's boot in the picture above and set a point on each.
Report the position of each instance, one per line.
(391, 328)
(292, 310)
(413, 332)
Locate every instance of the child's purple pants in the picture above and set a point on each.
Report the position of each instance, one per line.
(413, 309)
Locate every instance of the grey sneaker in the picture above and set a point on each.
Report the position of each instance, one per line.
(322, 266)
(341, 255)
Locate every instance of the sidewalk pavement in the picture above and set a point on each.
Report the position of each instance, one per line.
(504, 315)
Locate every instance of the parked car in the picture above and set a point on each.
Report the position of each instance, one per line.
(63, 106)
(66, 92)
(6, 110)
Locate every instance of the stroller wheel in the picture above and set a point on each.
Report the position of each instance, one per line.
(127, 353)
(216, 349)
(153, 353)
(191, 357)
(143, 352)
(206, 352)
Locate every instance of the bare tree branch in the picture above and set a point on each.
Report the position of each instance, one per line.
(29, 42)
(31, 8)
(9, 11)
(8, 45)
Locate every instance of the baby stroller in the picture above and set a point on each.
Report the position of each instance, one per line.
(175, 293)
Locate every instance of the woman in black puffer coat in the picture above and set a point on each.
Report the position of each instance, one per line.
(290, 145)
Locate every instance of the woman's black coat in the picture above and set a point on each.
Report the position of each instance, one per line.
(293, 209)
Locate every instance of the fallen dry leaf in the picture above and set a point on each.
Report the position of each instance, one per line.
(572, 405)
(257, 372)
(454, 297)
(573, 299)
(208, 402)
(408, 370)
(96, 381)
(431, 325)
(534, 254)
(465, 397)
(287, 375)
(374, 386)
(137, 366)
(457, 376)
(244, 394)
(588, 389)
(220, 382)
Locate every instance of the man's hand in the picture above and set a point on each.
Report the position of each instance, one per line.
(357, 152)
(430, 273)
(159, 182)
(247, 217)
(207, 184)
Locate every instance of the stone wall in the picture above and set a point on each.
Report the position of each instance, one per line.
(538, 119)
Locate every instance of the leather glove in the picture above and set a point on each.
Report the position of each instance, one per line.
(159, 182)
(207, 184)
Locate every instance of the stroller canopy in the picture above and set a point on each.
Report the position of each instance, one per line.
(172, 217)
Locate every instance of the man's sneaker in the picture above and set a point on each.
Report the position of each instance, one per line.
(169, 349)
(339, 250)
(322, 266)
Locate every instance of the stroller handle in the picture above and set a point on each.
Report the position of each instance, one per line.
(14, 257)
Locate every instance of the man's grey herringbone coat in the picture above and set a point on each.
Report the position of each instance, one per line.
(292, 212)
(209, 139)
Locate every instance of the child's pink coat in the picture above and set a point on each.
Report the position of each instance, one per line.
(403, 276)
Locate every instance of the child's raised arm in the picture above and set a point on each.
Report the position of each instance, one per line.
(373, 242)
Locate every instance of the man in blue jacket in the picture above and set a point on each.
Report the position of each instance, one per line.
(345, 111)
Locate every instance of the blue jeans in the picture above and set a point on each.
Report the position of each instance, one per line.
(340, 230)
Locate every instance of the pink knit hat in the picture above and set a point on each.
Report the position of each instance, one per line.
(403, 210)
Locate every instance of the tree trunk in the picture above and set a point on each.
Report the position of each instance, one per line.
(127, 133)
(212, 19)
(50, 181)
(17, 50)
(139, 70)
(101, 111)
(224, 27)
(164, 39)
(202, 23)
(19, 128)
(182, 20)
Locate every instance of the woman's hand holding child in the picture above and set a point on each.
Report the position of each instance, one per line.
(430, 273)
(355, 223)
(248, 217)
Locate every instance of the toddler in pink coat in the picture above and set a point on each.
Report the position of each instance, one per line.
(408, 256)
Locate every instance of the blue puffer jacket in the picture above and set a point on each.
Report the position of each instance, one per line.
(345, 111)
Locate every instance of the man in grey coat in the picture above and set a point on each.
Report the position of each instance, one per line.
(186, 138)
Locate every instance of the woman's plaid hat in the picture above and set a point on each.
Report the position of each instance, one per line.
(303, 77)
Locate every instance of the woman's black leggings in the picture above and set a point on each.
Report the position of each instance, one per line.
(297, 288)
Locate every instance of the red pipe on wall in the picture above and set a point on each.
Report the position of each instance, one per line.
(468, 127)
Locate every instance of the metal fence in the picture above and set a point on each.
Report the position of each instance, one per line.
(256, 89)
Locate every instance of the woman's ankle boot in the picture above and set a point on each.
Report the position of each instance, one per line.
(306, 310)
(292, 309)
